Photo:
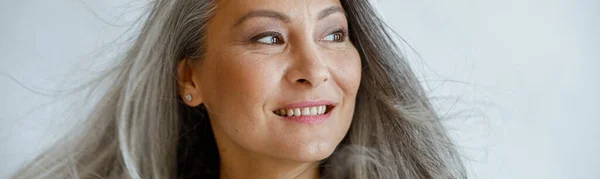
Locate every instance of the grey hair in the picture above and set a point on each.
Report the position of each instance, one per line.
(141, 129)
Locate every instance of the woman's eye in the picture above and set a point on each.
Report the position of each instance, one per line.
(269, 38)
(337, 36)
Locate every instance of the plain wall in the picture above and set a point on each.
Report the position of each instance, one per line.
(516, 81)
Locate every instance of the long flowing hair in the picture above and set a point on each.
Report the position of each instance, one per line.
(140, 128)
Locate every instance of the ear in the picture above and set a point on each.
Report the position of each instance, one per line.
(187, 88)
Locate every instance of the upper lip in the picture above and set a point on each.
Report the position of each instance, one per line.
(304, 104)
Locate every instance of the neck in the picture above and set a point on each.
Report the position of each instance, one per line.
(242, 168)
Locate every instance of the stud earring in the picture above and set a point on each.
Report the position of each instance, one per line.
(188, 97)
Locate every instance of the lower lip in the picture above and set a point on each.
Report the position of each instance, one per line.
(308, 119)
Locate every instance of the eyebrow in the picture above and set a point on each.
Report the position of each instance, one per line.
(282, 17)
(330, 10)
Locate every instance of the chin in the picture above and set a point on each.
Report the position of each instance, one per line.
(311, 153)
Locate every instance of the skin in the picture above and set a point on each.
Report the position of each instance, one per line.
(243, 78)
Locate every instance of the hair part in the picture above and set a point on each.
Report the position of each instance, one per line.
(141, 129)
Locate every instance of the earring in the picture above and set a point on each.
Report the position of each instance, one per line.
(188, 97)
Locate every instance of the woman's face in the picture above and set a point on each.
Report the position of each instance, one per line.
(265, 58)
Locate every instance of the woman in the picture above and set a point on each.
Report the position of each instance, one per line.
(258, 89)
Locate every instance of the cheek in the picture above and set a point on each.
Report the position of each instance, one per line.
(241, 88)
(238, 80)
(347, 71)
(243, 81)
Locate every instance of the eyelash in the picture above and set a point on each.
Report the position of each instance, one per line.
(341, 35)
(277, 38)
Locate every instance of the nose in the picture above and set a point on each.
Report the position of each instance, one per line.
(308, 69)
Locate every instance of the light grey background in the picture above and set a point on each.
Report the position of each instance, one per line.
(516, 81)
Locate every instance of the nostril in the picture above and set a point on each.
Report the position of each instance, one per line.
(302, 80)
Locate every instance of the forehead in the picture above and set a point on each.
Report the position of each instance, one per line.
(292, 8)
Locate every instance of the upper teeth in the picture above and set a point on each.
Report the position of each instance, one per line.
(307, 111)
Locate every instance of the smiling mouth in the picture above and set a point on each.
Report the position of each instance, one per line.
(305, 111)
